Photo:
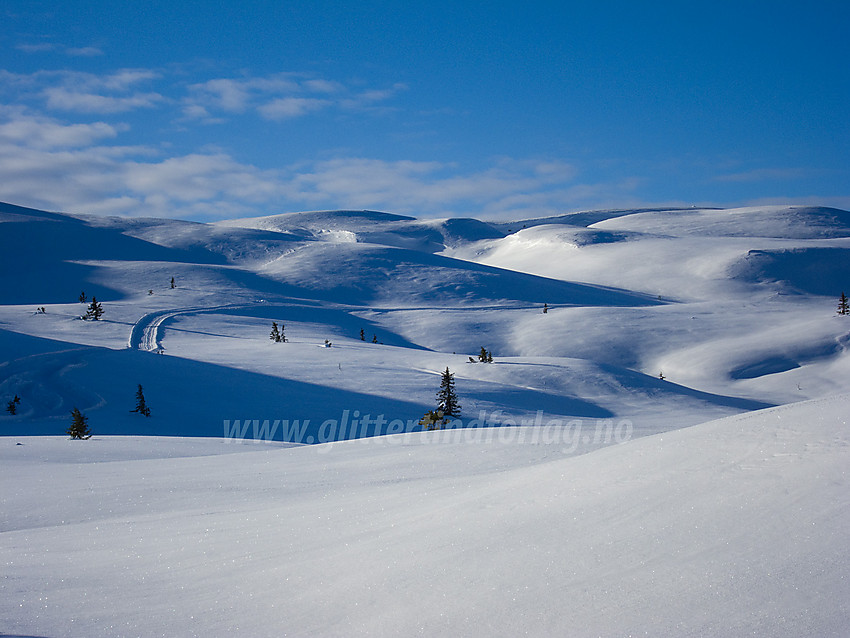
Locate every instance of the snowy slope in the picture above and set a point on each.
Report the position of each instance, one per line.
(734, 527)
(710, 311)
(571, 498)
(374, 228)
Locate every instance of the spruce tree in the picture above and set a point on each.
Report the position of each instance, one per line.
(545, 308)
(12, 407)
(141, 405)
(282, 334)
(362, 335)
(446, 396)
(843, 306)
(275, 333)
(173, 284)
(374, 338)
(79, 428)
(482, 356)
(83, 298)
(95, 311)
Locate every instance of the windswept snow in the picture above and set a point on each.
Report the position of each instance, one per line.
(621, 468)
(734, 527)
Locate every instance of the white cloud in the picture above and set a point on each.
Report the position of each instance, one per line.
(286, 107)
(766, 174)
(236, 95)
(510, 187)
(83, 52)
(277, 97)
(82, 166)
(323, 86)
(64, 99)
(38, 47)
(84, 92)
(48, 164)
(369, 98)
(42, 132)
(90, 93)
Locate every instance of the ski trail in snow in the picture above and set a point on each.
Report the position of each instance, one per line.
(146, 333)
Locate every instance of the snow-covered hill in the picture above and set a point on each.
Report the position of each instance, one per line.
(526, 516)
(734, 527)
(730, 314)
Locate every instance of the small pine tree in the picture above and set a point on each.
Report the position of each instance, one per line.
(374, 338)
(843, 305)
(282, 334)
(141, 405)
(489, 357)
(446, 396)
(12, 407)
(173, 284)
(83, 298)
(362, 335)
(95, 311)
(545, 308)
(482, 356)
(79, 428)
(275, 333)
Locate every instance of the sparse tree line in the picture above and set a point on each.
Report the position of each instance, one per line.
(485, 356)
(79, 428)
(278, 335)
(95, 309)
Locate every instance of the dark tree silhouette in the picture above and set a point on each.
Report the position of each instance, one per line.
(79, 428)
(141, 405)
(446, 396)
(95, 311)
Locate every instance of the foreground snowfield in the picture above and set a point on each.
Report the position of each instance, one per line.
(600, 499)
(733, 527)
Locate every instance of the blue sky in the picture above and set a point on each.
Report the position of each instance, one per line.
(493, 110)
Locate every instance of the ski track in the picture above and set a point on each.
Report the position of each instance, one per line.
(146, 334)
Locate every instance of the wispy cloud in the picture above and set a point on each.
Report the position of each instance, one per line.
(286, 107)
(48, 47)
(277, 97)
(66, 166)
(113, 93)
(86, 92)
(41, 132)
(84, 52)
(66, 161)
(61, 98)
(373, 97)
(36, 47)
(509, 188)
(766, 175)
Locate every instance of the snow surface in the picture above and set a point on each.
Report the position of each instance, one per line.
(580, 493)
(734, 527)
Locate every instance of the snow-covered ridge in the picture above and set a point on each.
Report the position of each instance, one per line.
(639, 458)
(727, 319)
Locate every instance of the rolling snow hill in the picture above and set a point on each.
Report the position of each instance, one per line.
(733, 527)
(525, 516)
